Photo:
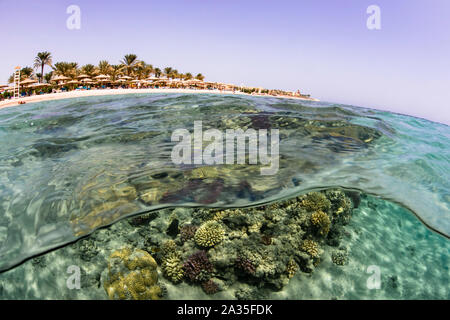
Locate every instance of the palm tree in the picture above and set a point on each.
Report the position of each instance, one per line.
(168, 71)
(48, 76)
(143, 70)
(104, 67)
(89, 69)
(67, 69)
(42, 59)
(129, 61)
(188, 76)
(200, 77)
(174, 74)
(157, 72)
(115, 71)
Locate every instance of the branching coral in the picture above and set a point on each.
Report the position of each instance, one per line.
(321, 221)
(340, 257)
(187, 232)
(245, 265)
(291, 268)
(311, 247)
(197, 267)
(209, 234)
(132, 275)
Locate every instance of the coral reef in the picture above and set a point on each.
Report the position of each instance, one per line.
(252, 250)
(132, 275)
(209, 234)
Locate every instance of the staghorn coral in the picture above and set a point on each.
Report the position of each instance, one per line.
(209, 234)
(132, 275)
(311, 247)
(321, 221)
(197, 267)
(316, 201)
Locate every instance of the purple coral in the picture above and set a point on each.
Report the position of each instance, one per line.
(210, 287)
(245, 265)
(197, 267)
(187, 232)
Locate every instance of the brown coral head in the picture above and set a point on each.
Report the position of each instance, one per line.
(266, 239)
(245, 265)
(210, 287)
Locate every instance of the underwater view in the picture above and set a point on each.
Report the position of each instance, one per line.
(358, 206)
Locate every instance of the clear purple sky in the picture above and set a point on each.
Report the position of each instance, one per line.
(322, 47)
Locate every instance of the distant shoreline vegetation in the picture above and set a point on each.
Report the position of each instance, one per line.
(131, 72)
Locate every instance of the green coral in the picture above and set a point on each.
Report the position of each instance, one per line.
(316, 201)
(209, 234)
(132, 275)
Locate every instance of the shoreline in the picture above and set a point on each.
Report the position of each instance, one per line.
(107, 92)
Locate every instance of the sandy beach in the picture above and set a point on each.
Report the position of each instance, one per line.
(106, 92)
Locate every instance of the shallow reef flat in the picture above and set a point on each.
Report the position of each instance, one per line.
(320, 245)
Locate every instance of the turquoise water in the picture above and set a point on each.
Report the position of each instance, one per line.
(71, 166)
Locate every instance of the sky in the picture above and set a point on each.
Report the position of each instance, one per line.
(322, 47)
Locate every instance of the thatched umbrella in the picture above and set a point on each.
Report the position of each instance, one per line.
(27, 81)
(102, 76)
(38, 85)
(126, 77)
(60, 78)
(82, 76)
